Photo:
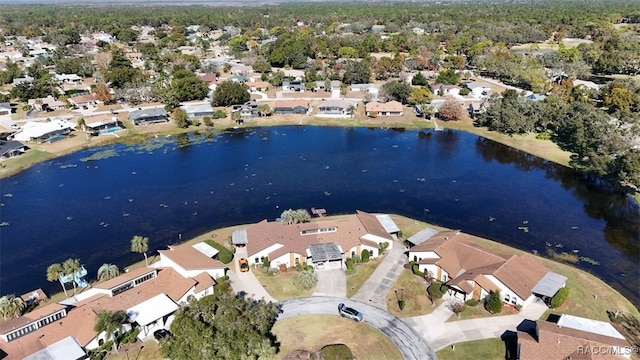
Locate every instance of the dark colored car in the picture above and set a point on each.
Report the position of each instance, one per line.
(348, 312)
(161, 334)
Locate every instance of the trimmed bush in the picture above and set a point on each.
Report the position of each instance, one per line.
(493, 304)
(336, 352)
(266, 263)
(349, 264)
(464, 91)
(471, 302)
(560, 297)
(365, 255)
(436, 290)
(356, 259)
(415, 268)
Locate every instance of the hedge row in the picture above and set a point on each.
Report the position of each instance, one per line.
(224, 255)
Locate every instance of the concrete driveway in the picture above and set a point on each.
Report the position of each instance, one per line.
(246, 282)
(374, 290)
(331, 282)
(410, 342)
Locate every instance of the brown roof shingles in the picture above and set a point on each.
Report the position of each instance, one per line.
(521, 273)
(556, 342)
(190, 258)
(348, 235)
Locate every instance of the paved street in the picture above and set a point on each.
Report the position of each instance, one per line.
(410, 343)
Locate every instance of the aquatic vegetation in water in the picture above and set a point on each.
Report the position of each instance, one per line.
(327, 193)
(68, 166)
(9, 195)
(69, 218)
(589, 260)
(104, 154)
(4, 223)
(523, 228)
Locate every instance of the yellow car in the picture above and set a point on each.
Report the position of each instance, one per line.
(244, 265)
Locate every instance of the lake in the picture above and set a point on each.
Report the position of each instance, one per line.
(88, 205)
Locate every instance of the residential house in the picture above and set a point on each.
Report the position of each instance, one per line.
(198, 111)
(293, 86)
(372, 90)
(377, 29)
(535, 97)
(391, 108)
(102, 124)
(445, 89)
(48, 103)
(479, 90)
(149, 296)
(148, 116)
(238, 78)
(473, 272)
(432, 108)
(336, 109)
(191, 261)
(68, 78)
(322, 243)
(83, 101)
(291, 107)
(258, 85)
(571, 337)
(44, 131)
(211, 80)
(247, 110)
(476, 108)
(9, 149)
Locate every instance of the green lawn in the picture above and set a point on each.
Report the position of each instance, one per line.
(282, 286)
(363, 272)
(413, 290)
(312, 332)
(474, 312)
(487, 349)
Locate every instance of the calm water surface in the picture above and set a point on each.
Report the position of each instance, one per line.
(89, 204)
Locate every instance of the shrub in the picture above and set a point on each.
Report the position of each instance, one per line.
(543, 136)
(435, 290)
(457, 307)
(219, 114)
(266, 263)
(356, 259)
(472, 302)
(336, 352)
(365, 255)
(560, 297)
(207, 121)
(415, 268)
(349, 264)
(493, 304)
(464, 91)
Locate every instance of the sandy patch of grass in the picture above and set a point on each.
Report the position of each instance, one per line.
(312, 332)
(488, 349)
(283, 285)
(363, 272)
(151, 351)
(414, 292)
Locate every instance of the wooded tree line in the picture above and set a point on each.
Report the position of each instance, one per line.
(222, 326)
(604, 140)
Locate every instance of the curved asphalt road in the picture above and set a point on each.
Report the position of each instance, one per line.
(411, 344)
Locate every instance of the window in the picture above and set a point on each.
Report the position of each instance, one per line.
(506, 298)
(297, 261)
(415, 257)
(514, 300)
(262, 259)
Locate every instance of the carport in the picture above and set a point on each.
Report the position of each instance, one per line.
(325, 256)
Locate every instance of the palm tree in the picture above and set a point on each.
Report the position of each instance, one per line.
(55, 272)
(140, 244)
(308, 278)
(288, 217)
(301, 216)
(108, 271)
(110, 322)
(11, 307)
(71, 267)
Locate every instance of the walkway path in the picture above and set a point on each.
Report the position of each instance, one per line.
(374, 290)
(441, 334)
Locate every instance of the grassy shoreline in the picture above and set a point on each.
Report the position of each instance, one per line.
(582, 283)
(43, 152)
